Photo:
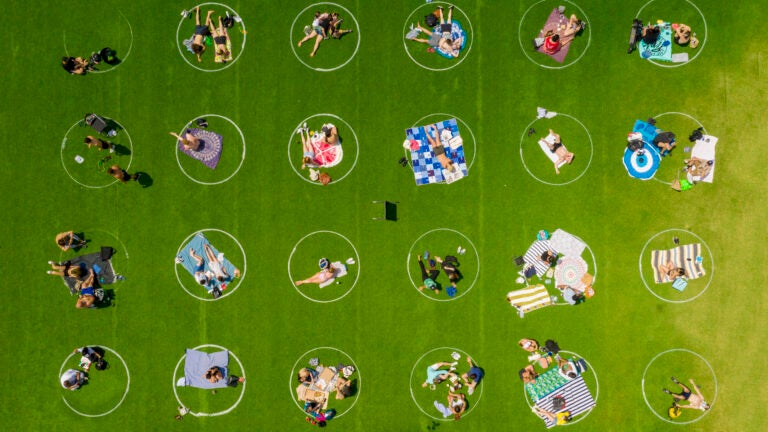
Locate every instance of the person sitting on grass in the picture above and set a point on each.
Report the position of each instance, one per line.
(100, 144)
(435, 375)
(428, 277)
(334, 26)
(441, 40)
(343, 388)
(66, 270)
(121, 174)
(87, 296)
(76, 65)
(327, 271)
(558, 419)
(215, 263)
(671, 271)
(72, 379)
(307, 376)
(651, 34)
(549, 257)
(201, 31)
(532, 346)
(457, 403)
(69, 240)
(556, 146)
(331, 135)
(528, 374)
(473, 377)
(665, 141)
(695, 401)
(450, 270)
(189, 141)
(220, 39)
(318, 31)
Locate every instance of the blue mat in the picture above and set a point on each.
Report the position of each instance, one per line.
(456, 32)
(197, 242)
(662, 49)
(426, 167)
(197, 364)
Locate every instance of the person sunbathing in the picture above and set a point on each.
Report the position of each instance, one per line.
(558, 419)
(441, 40)
(343, 388)
(327, 271)
(671, 271)
(450, 270)
(215, 263)
(201, 276)
(189, 141)
(695, 401)
(69, 240)
(435, 375)
(220, 39)
(428, 278)
(201, 31)
(318, 31)
(216, 374)
(439, 150)
(651, 34)
(556, 146)
(311, 159)
(66, 270)
(682, 34)
(331, 134)
(100, 144)
(528, 374)
(87, 296)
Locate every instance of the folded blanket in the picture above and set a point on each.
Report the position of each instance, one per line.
(530, 298)
(197, 364)
(683, 257)
(566, 243)
(578, 399)
(341, 271)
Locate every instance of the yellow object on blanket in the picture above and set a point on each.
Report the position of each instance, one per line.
(220, 59)
(530, 298)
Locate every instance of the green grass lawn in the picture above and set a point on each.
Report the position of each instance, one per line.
(260, 208)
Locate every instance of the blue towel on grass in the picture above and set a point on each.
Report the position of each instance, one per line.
(662, 49)
(426, 167)
(197, 364)
(197, 243)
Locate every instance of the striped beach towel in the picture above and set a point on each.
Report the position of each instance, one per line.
(533, 255)
(578, 399)
(530, 298)
(682, 256)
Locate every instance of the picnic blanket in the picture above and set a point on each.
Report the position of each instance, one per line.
(104, 272)
(197, 363)
(426, 167)
(533, 255)
(530, 298)
(554, 21)
(662, 49)
(545, 384)
(566, 243)
(326, 155)
(341, 271)
(544, 143)
(704, 149)
(578, 399)
(569, 271)
(649, 132)
(684, 256)
(211, 145)
(456, 32)
(197, 243)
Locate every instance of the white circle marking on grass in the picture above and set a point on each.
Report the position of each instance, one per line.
(525, 52)
(413, 370)
(642, 385)
(242, 156)
(465, 124)
(293, 48)
(711, 274)
(699, 49)
(354, 135)
(228, 64)
(684, 115)
(357, 262)
(229, 291)
(470, 34)
(242, 385)
(125, 393)
(597, 390)
(589, 162)
(357, 370)
(64, 144)
(127, 53)
(408, 261)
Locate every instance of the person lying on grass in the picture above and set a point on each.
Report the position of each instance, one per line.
(100, 144)
(435, 375)
(319, 32)
(68, 240)
(87, 296)
(334, 26)
(201, 31)
(438, 149)
(220, 39)
(695, 401)
(429, 277)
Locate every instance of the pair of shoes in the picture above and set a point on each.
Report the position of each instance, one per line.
(50, 262)
(674, 380)
(307, 30)
(50, 272)
(453, 365)
(666, 391)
